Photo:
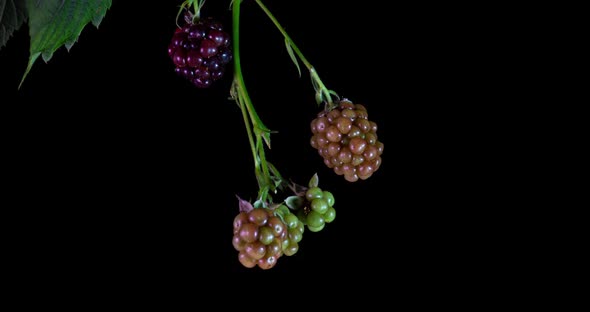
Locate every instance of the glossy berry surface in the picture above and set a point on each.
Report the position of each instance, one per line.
(317, 209)
(200, 51)
(259, 238)
(295, 229)
(347, 141)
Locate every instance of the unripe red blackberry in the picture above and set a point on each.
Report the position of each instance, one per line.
(347, 140)
(200, 51)
(259, 236)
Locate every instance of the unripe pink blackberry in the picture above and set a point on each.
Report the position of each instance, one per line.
(259, 236)
(347, 140)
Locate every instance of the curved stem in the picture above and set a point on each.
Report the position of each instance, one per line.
(321, 90)
(257, 123)
(265, 172)
(249, 131)
(197, 8)
(261, 167)
(282, 30)
(322, 93)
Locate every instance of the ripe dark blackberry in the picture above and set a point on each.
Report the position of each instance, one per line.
(200, 51)
(347, 140)
(259, 236)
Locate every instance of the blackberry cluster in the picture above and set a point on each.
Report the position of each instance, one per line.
(259, 237)
(347, 141)
(200, 51)
(318, 209)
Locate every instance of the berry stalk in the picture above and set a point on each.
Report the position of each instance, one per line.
(186, 6)
(255, 128)
(323, 94)
(197, 6)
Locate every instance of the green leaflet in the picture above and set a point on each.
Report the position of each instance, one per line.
(12, 16)
(53, 23)
(292, 55)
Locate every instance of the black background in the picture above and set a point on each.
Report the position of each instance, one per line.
(138, 170)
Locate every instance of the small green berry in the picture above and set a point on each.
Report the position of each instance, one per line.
(319, 205)
(291, 220)
(330, 215)
(329, 198)
(315, 219)
(314, 192)
(316, 229)
(266, 235)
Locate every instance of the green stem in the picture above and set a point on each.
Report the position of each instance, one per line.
(249, 131)
(265, 172)
(282, 30)
(197, 10)
(322, 92)
(257, 123)
(261, 167)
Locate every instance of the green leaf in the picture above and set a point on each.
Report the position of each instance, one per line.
(262, 133)
(332, 92)
(283, 209)
(318, 98)
(258, 204)
(294, 202)
(53, 23)
(314, 181)
(263, 195)
(266, 137)
(12, 16)
(275, 176)
(292, 55)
